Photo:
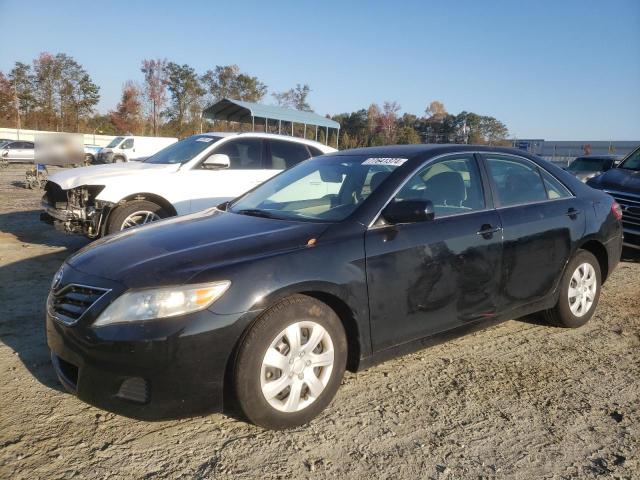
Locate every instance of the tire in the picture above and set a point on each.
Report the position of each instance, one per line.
(584, 265)
(88, 159)
(124, 212)
(251, 375)
(118, 159)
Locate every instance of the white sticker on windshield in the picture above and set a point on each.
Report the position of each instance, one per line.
(204, 139)
(384, 161)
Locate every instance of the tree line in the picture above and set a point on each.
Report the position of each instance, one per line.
(54, 92)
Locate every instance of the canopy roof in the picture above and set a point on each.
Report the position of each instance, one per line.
(239, 111)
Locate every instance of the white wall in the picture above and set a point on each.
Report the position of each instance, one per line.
(14, 134)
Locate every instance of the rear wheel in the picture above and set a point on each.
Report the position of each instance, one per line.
(290, 364)
(579, 292)
(134, 214)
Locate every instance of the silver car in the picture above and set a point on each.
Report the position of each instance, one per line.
(18, 151)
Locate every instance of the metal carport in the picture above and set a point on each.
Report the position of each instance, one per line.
(247, 112)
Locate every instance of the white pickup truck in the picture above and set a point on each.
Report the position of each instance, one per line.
(198, 172)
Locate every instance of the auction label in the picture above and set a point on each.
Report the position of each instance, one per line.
(384, 161)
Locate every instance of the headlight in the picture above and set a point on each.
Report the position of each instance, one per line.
(136, 306)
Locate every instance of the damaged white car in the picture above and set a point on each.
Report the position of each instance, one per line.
(198, 172)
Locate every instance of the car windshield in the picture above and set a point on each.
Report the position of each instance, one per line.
(184, 150)
(632, 162)
(115, 142)
(325, 189)
(585, 164)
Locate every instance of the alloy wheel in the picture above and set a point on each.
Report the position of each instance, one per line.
(139, 218)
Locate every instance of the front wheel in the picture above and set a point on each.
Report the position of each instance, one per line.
(134, 214)
(579, 292)
(290, 364)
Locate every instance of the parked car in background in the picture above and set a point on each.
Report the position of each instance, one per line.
(196, 173)
(272, 295)
(623, 184)
(90, 153)
(130, 148)
(18, 151)
(589, 166)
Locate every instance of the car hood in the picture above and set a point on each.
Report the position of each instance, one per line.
(101, 174)
(618, 179)
(172, 251)
(584, 175)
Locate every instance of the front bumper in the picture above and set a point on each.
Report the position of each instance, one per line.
(151, 370)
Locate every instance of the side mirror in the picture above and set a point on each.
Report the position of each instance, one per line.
(409, 211)
(217, 161)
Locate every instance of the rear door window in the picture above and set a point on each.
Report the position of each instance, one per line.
(286, 154)
(244, 154)
(555, 188)
(516, 181)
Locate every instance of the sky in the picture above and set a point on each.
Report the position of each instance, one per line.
(557, 70)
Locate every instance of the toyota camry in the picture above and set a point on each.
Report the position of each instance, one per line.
(340, 262)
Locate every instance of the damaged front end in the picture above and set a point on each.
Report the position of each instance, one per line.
(75, 210)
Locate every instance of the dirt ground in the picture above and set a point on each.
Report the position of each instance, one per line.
(520, 400)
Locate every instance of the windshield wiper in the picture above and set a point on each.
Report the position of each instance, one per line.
(254, 212)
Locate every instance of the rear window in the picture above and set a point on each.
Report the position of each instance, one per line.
(585, 164)
(287, 154)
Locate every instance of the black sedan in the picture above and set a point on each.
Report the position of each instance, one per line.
(343, 261)
(623, 183)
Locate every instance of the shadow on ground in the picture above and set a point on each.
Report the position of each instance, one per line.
(26, 268)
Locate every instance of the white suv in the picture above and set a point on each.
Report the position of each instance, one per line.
(198, 172)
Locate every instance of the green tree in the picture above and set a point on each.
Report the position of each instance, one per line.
(227, 81)
(407, 135)
(22, 83)
(186, 96)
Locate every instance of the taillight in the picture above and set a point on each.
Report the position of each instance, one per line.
(616, 209)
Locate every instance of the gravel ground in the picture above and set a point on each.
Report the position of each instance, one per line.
(520, 400)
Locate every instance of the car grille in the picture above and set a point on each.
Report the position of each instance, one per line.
(630, 205)
(72, 301)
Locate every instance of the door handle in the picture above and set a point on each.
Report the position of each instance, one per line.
(487, 230)
(572, 213)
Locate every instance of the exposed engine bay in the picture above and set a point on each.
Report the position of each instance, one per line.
(75, 210)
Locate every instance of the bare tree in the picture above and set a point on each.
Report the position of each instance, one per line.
(388, 121)
(295, 98)
(155, 83)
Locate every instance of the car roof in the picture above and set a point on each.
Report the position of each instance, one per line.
(599, 157)
(410, 151)
(275, 136)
